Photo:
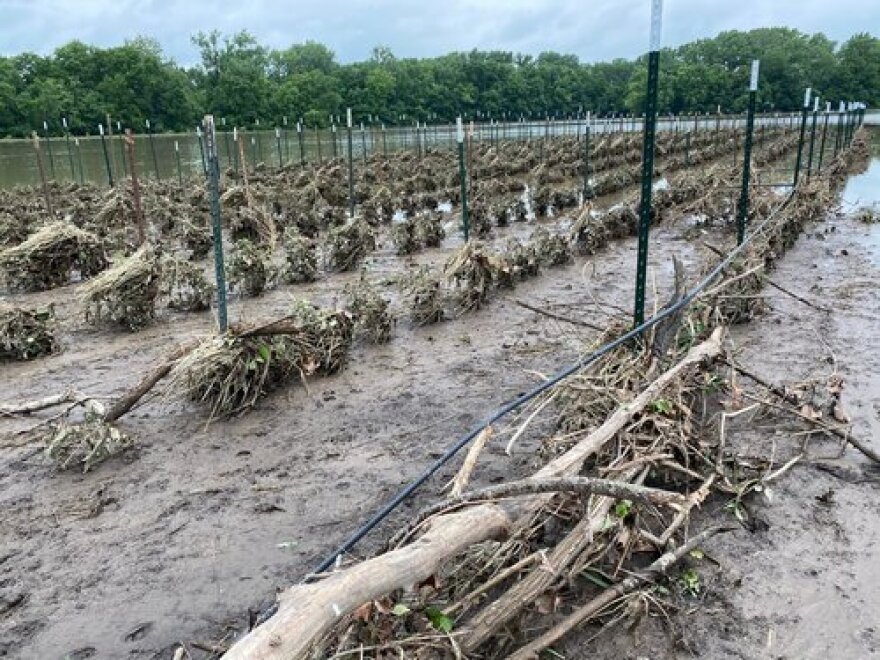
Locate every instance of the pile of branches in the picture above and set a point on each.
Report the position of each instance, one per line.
(26, 334)
(231, 372)
(126, 293)
(48, 257)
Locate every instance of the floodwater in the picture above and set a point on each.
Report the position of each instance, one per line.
(70, 158)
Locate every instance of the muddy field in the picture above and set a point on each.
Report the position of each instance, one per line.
(172, 542)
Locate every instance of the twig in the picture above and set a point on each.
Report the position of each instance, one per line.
(558, 317)
(796, 297)
(528, 421)
(461, 479)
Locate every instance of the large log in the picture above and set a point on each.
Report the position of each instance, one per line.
(306, 613)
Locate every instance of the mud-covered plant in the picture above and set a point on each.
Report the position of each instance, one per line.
(403, 235)
(429, 230)
(523, 258)
(126, 293)
(26, 333)
(87, 443)
(348, 245)
(247, 268)
(425, 293)
(552, 249)
(186, 286)
(370, 311)
(301, 257)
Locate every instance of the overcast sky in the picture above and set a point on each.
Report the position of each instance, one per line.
(592, 29)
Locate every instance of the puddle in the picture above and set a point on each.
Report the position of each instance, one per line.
(864, 190)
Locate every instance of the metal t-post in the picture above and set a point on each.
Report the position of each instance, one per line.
(824, 135)
(106, 155)
(813, 137)
(648, 160)
(462, 177)
(743, 209)
(800, 151)
(588, 191)
(350, 168)
(153, 149)
(216, 229)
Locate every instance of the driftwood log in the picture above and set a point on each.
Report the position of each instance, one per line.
(307, 612)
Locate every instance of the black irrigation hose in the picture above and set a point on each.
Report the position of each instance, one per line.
(586, 361)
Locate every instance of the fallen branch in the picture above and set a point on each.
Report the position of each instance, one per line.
(306, 612)
(29, 407)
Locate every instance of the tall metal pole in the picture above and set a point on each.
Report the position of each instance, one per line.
(299, 135)
(278, 146)
(813, 137)
(588, 191)
(824, 135)
(202, 147)
(743, 209)
(177, 156)
(106, 155)
(800, 151)
(69, 150)
(838, 134)
(350, 166)
(49, 148)
(216, 230)
(462, 177)
(648, 159)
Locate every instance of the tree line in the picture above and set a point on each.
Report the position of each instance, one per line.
(244, 82)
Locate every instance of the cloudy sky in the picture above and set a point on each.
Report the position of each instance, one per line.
(592, 29)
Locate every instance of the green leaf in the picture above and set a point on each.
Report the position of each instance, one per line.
(400, 610)
(622, 508)
(697, 553)
(439, 620)
(263, 352)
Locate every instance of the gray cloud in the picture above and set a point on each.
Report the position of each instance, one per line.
(598, 30)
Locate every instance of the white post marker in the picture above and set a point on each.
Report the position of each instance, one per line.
(807, 94)
(101, 129)
(348, 117)
(459, 130)
(176, 146)
(656, 25)
(753, 83)
(816, 103)
(64, 122)
(828, 106)
(235, 134)
(147, 123)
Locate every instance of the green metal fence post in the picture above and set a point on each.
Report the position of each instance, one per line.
(364, 145)
(216, 228)
(152, 149)
(813, 137)
(299, 137)
(824, 134)
(462, 176)
(106, 155)
(202, 150)
(743, 209)
(800, 151)
(49, 148)
(350, 166)
(179, 168)
(235, 148)
(648, 159)
(69, 150)
(588, 191)
(278, 147)
(79, 157)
